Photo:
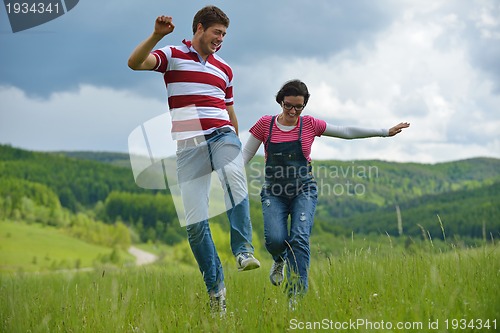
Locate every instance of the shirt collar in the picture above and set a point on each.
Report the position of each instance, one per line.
(191, 48)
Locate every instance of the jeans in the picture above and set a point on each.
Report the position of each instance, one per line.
(290, 244)
(222, 154)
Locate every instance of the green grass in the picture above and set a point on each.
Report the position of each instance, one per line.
(35, 247)
(376, 287)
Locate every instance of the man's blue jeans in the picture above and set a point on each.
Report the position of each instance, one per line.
(195, 165)
(290, 244)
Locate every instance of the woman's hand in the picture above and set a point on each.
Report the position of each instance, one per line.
(398, 128)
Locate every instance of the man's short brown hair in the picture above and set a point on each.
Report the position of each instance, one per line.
(209, 16)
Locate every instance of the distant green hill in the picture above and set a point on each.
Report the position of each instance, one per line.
(116, 159)
(36, 247)
(77, 182)
(354, 196)
(467, 212)
(361, 197)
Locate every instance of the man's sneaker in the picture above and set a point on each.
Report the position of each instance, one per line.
(218, 302)
(293, 303)
(246, 261)
(277, 274)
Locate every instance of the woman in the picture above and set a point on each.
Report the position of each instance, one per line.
(290, 188)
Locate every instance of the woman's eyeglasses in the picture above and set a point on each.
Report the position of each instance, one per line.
(289, 106)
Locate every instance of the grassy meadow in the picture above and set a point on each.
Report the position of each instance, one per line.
(363, 289)
(67, 220)
(37, 248)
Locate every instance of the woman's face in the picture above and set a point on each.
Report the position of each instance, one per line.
(289, 108)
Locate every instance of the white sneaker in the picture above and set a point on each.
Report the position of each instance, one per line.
(218, 302)
(277, 274)
(246, 261)
(293, 303)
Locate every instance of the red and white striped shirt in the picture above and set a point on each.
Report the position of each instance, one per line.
(311, 128)
(198, 91)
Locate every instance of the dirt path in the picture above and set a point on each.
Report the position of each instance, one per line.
(142, 257)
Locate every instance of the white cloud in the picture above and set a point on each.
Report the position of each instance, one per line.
(432, 63)
(486, 22)
(406, 74)
(90, 118)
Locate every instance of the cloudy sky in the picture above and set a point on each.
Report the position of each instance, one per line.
(65, 85)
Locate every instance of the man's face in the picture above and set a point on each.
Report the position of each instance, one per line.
(210, 39)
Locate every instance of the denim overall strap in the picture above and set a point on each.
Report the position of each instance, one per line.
(270, 131)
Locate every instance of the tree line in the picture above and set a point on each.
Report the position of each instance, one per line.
(66, 191)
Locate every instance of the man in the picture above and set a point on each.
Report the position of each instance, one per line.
(200, 98)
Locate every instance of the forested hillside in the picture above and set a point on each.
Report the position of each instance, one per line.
(471, 213)
(355, 196)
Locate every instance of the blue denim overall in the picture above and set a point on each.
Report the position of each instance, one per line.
(289, 190)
